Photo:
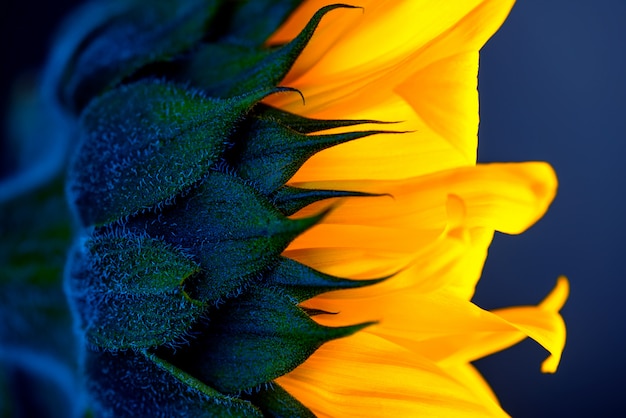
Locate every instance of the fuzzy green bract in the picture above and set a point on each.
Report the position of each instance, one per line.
(255, 338)
(144, 143)
(224, 219)
(129, 291)
(177, 181)
(140, 384)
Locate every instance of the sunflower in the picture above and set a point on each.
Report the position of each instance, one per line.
(279, 212)
(415, 62)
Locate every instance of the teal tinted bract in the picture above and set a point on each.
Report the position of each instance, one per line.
(128, 292)
(256, 338)
(144, 143)
(231, 68)
(177, 281)
(139, 384)
(233, 231)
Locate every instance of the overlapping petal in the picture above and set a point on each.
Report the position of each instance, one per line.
(415, 213)
(441, 327)
(425, 78)
(450, 330)
(425, 308)
(473, 380)
(542, 323)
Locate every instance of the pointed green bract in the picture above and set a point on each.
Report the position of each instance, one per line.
(302, 282)
(289, 199)
(233, 231)
(230, 69)
(144, 143)
(140, 33)
(256, 338)
(273, 153)
(140, 384)
(305, 125)
(236, 62)
(127, 292)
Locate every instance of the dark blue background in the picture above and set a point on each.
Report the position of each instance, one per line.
(553, 89)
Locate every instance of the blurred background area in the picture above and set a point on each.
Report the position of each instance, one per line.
(553, 88)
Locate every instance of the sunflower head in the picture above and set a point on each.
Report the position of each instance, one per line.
(179, 185)
(277, 209)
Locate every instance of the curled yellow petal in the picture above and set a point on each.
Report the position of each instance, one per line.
(424, 78)
(449, 330)
(542, 323)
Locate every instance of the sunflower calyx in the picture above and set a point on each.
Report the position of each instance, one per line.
(146, 142)
(179, 184)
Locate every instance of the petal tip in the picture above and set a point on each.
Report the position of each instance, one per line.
(557, 297)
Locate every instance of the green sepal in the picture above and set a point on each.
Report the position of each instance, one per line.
(138, 265)
(255, 338)
(137, 34)
(144, 143)
(233, 231)
(306, 125)
(127, 291)
(140, 384)
(314, 312)
(272, 153)
(289, 199)
(302, 282)
(276, 402)
(230, 69)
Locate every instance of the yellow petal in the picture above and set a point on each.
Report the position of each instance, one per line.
(385, 156)
(452, 331)
(356, 263)
(451, 263)
(425, 77)
(474, 381)
(418, 213)
(507, 197)
(364, 375)
(542, 324)
(432, 224)
(410, 315)
(361, 41)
